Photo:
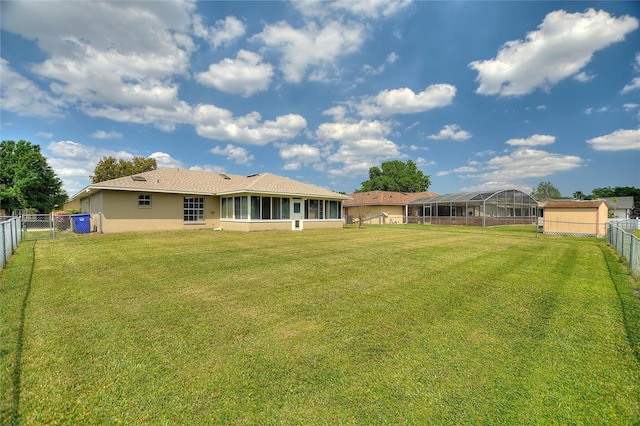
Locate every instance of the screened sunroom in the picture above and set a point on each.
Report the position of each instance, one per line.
(480, 208)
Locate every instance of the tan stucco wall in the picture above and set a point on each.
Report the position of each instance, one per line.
(579, 221)
(395, 213)
(121, 213)
(280, 225)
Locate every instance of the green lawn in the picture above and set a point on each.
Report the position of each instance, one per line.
(382, 325)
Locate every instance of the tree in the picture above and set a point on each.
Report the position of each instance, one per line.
(396, 176)
(546, 191)
(26, 179)
(579, 195)
(111, 168)
(605, 192)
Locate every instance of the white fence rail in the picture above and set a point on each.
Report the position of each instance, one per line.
(10, 237)
(620, 236)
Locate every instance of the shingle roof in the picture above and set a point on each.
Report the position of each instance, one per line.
(620, 203)
(574, 203)
(268, 183)
(207, 183)
(385, 198)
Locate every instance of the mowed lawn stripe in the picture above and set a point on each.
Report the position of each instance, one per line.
(377, 325)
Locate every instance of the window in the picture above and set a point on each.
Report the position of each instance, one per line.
(227, 208)
(321, 209)
(193, 209)
(241, 207)
(144, 200)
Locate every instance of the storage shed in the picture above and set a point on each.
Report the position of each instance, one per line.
(575, 218)
(480, 208)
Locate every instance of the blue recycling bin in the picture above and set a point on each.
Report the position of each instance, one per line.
(81, 223)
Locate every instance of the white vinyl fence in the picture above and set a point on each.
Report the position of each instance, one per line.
(620, 236)
(10, 237)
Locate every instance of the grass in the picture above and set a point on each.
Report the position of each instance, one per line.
(402, 325)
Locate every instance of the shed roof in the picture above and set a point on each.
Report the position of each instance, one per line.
(574, 204)
(385, 198)
(180, 181)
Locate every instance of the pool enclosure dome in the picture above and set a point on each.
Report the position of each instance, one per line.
(479, 208)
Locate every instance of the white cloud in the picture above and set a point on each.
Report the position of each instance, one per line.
(46, 135)
(406, 101)
(165, 160)
(369, 9)
(630, 107)
(125, 56)
(563, 44)
(633, 85)
(101, 134)
(390, 59)
(312, 46)
(234, 153)
(223, 33)
(338, 112)
(295, 156)
(220, 124)
(583, 77)
(363, 129)
(620, 140)
(20, 95)
(451, 131)
(165, 119)
(533, 140)
(246, 75)
(74, 162)
(360, 145)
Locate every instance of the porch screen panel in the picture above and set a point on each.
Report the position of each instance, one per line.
(255, 207)
(275, 207)
(286, 208)
(266, 207)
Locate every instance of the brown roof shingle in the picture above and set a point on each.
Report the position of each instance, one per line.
(385, 198)
(182, 181)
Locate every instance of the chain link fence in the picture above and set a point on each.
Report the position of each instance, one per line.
(10, 237)
(620, 236)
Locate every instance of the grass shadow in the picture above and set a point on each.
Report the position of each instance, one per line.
(16, 375)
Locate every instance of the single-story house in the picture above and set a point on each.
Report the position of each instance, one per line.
(175, 199)
(575, 217)
(478, 208)
(380, 207)
(620, 207)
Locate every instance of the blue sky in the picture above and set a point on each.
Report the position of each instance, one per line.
(480, 95)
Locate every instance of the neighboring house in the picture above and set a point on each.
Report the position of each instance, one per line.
(575, 217)
(478, 208)
(379, 207)
(174, 199)
(620, 207)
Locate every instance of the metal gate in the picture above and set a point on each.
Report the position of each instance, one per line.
(38, 227)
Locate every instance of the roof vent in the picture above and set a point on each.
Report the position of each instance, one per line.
(253, 175)
(138, 178)
(225, 176)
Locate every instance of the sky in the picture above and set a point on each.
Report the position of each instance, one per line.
(479, 94)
